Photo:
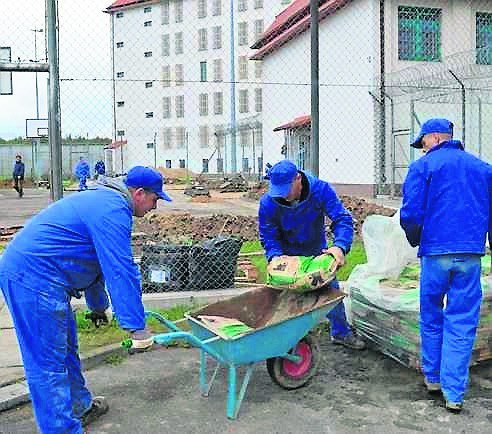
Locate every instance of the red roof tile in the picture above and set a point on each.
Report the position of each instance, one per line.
(118, 4)
(299, 122)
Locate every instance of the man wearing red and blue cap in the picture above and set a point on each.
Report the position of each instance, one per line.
(446, 211)
(79, 244)
(292, 222)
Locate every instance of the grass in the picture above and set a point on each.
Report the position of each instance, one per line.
(356, 256)
(91, 337)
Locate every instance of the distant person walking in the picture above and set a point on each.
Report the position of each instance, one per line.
(99, 169)
(82, 171)
(18, 175)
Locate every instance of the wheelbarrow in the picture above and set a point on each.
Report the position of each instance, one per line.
(279, 324)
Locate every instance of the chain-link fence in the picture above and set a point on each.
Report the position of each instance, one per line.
(206, 89)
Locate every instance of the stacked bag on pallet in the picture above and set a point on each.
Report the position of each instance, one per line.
(384, 296)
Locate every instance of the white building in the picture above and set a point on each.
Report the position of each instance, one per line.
(176, 64)
(363, 143)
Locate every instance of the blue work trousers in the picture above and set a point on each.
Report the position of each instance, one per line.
(83, 183)
(47, 336)
(448, 333)
(339, 327)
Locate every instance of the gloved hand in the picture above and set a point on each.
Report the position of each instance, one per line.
(100, 318)
(142, 340)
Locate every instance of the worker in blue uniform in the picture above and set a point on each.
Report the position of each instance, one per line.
(63, 252)
(99, 169)
(82, 171)
(292, 222)
(446, 212)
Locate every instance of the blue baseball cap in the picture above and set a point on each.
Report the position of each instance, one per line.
(281, 176)
(436, 125)
(148, 179)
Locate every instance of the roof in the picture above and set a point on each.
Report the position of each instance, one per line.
(118, 4)
(299, 122)
(116, 144)
(290, 23)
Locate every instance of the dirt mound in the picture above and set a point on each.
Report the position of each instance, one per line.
(173, 175)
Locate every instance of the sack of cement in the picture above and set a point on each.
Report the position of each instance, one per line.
(300, 273)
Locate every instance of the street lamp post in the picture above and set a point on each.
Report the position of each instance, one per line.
(36, 31)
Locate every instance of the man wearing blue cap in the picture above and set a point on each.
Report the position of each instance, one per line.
(446, 211)
(62, 252)
(292, 222)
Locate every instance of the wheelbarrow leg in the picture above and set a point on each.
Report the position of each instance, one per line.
(233, 403)
(204, 385)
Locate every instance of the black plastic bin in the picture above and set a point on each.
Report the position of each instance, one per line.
(212, 265)
(164, 267)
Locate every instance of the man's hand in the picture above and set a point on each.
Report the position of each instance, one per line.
(339, 256)
(142, 340)
(100, 318)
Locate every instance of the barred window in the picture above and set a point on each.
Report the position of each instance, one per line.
(203, 71)
(242, 29)
(242, 5)
(178, 11)
(166, 76)
(203, 136)
(179, 74)
(203, 104)
(243, 101)
(243, 67)
(258, 69)
(258, 100)
(202, 39)
(166, 48)
(182, 164)
(218, 103)
(202, 8)
(180, 138)
(178, 43)
(167, 136)
(165, 11)
(218, 70)
(217, 37)
(217, 8)
(166, 107)
(244, 137)
(205, 165)
(259, 25)
(179, 103)
(484, 38)
(258, 4)
(419, 33)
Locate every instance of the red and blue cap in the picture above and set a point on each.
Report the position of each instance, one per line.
(148, 179)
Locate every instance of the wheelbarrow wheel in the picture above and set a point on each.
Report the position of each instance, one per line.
(291, 375)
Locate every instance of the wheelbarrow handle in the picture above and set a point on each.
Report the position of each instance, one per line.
(169, 324)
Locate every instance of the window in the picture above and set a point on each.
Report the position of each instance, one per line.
(179, 103)
(168, 164)
(202, 39)
(147, 9)
(484, 38)
(244, 136)
(180, 138)
(178, 43)
(258, 100)
(217, 37)
(218, 103)
(166, 107)
(242, 5)
(120, 74)
(202, 8)
(419, 33)
(166, 48)
(258, 4)
(203, 71)
(242, 29)
(167, 136)
(258, 136)
(245, 165)
(120, 133)
(217, 69)
(148, 24)
(243, 101)
(120, 104)
(217, 8)
(148, 84)
(205, 165)
(220, 165)
(203, 136)
(149, 114)
(165, 11)
(166, 76)
(260, 164)
(258, 69)
(243, 67)
(119, 14)
(148, 54)
(203, 104)
(119, 45)
(258, 29)
(182, 164)
(150, 145)
(179, 74)
(178, 11)
(219, 136)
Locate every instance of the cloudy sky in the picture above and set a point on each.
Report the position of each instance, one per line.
(85, 68)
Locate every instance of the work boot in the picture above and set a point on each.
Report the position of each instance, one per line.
(454, 407)
(351, 341)
(432, 388)
(98, 408)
